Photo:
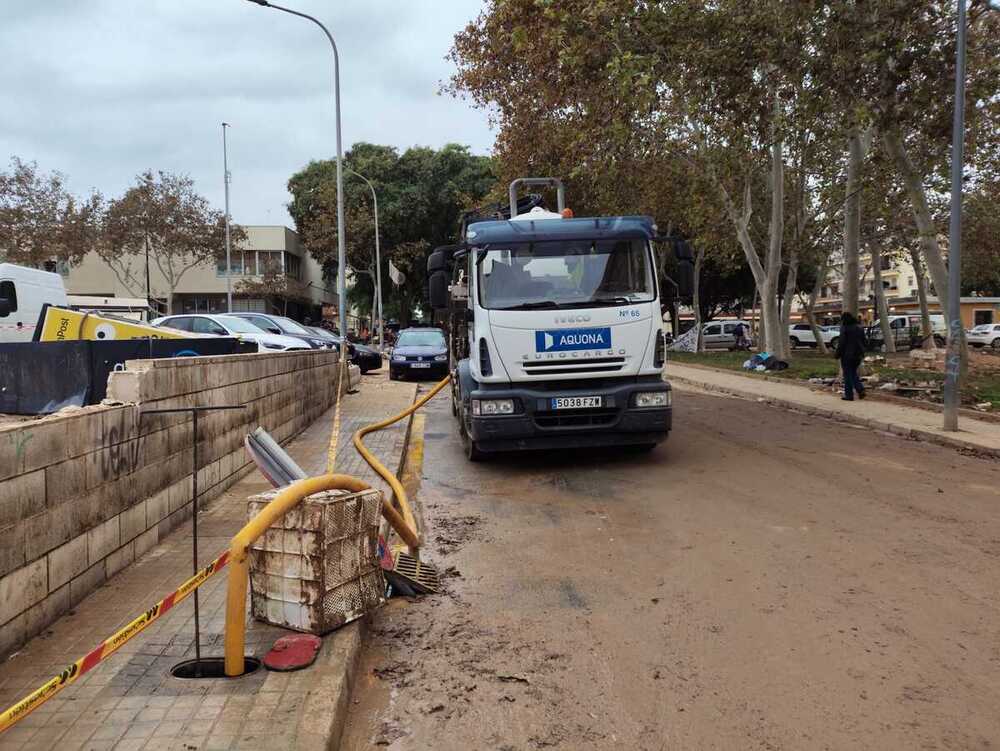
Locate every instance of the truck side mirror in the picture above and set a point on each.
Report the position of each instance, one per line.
(437, 290)
(684, 278)
(4, 307)
(682, 250)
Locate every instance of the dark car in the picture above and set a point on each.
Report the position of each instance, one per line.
(364, 357)
(420, 352)
(367, 358)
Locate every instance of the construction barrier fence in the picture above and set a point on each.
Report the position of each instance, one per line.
(109, 646)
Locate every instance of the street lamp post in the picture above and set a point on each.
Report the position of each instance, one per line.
(953, 361)
(229, 262)
(378, 259)
(341, 242)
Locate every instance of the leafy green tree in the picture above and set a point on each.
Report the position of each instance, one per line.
(421, 194)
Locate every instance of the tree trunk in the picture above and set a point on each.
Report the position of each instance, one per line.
(791, 282)
(929, 246)
(811, 306)
(755, 330)
(852, 222)
(777, 338)
(926, 331)
(696, 296)
(888, 339)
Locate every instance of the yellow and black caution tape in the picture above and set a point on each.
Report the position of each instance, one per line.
(108, 647)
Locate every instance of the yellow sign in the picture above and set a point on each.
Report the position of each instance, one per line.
(64, 325)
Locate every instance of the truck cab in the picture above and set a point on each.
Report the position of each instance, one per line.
(561, 321)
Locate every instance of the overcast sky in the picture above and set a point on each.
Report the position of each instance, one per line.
(104, 89)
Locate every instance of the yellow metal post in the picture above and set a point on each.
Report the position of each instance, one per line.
(236, 596)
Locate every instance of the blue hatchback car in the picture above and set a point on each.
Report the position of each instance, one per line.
(421, 352)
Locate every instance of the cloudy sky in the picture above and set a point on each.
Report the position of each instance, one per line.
(104, 89)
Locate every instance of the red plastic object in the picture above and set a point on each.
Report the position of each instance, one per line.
(293, 652)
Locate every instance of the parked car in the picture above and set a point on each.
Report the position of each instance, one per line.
(801, 334)
(906, 330)
(331, 339)
(227, 325)
(284, 327)
(419, 351)
(719, 334)
(369, 358)
(984, 335)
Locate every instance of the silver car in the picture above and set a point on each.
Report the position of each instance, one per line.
(721, 334)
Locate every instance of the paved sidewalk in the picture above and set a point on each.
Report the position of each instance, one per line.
(130, 701)
(913, 422)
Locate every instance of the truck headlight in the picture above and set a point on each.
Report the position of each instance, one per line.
(646, 399)
(489, 407)
(440, 358)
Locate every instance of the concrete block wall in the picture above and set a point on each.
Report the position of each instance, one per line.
(84, 494)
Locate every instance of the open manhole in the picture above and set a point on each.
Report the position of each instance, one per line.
(211, 667)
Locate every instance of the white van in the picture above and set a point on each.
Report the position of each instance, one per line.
(906, 329)
(23, 292)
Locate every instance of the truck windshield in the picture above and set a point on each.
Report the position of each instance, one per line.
(565, 274)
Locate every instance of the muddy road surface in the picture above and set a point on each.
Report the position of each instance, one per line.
(762, 580)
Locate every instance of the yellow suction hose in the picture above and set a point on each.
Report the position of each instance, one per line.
(405, 524)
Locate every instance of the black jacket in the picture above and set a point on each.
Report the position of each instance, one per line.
(851, 345)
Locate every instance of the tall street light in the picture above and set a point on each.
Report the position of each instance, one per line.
(341, 242)
(953, 362)
(378, 260)
(956, 330)
(229, 262)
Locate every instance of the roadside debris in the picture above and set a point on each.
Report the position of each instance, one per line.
(764, 361)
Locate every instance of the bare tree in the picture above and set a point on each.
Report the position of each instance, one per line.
(163, 218)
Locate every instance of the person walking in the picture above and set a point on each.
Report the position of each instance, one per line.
(851, 352)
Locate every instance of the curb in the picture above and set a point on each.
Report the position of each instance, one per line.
(874, 394)
(830, 414)
(336, 669)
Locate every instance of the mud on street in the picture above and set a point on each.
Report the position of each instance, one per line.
(762, 580)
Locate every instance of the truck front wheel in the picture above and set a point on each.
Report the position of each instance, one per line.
(469, 446)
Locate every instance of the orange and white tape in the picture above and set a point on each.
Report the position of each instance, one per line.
(108, 647)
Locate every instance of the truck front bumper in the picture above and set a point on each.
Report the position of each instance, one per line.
(535, 425)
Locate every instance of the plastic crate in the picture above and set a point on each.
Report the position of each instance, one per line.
(318, 567)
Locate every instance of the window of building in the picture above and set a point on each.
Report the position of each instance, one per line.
(886, 264)
(204, 304)
(293, 265)
(269, 262)
(982, 317)
(249, 305)
(235, 265)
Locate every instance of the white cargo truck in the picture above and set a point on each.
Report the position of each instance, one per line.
(555, 328)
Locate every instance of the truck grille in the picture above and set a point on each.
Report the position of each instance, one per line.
(570, 419)
(556, 367)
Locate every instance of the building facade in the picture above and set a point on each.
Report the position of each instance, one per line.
(270, 272)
